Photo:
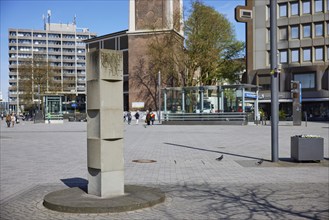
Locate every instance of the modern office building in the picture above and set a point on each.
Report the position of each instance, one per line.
(303, 52)
(62, 46)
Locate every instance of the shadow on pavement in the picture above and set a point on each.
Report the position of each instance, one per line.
(76, 182)
(215, 151)
(256, 201)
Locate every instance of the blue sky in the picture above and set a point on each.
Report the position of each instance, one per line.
(101, 17)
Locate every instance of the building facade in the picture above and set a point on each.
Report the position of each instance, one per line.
(62, 46)
(303, 52)
(115, 41)
(146, 19)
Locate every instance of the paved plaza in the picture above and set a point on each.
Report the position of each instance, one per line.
(40, 158)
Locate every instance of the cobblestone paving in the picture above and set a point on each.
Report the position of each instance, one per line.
(39, 158)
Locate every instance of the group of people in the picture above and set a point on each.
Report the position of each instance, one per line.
(149, 119)
(10, 119)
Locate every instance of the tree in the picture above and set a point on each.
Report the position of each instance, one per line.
(211, 46)
(36, 78)
(164, 54)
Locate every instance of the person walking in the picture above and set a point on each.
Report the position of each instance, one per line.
(152, 118)
(137, 117)
(129, 117)
(148, 117)
(8, 120)
(13, 119)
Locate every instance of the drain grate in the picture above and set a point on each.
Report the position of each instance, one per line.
(144, 161)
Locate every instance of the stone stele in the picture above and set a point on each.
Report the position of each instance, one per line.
(105, 127)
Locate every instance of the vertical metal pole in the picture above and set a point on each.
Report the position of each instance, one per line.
(274, 82)
(165, 103)
(201, 99)
(243, 100)
(183, 100)
(159, 98)
(39, 98)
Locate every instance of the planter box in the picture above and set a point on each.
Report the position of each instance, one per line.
(306, 149)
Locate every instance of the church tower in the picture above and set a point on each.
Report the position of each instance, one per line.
(146, 18)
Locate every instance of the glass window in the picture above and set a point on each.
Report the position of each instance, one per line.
(294, 32)
(294, 10)
(283, 10)
(327, 5)
(327, 53)
(283, 56)
(318, 53)
(307, 30)
(318, 29)
(306, 7)
(318, 5)
(307, 80)
(295, 55)
(328, 26)
(283, 33)
(306, 54)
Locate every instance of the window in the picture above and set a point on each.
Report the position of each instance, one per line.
(283, 10)
(327, 5)
(328, 26)
(295, 55)
(318, 5)
(294, 10)
(306, 7)
(306, 79)
(264, 81)
(319, 54)
(294, 32)
(283, 56)
(283, 33)
(318, 29)
(307, 30)
(307, 54)
(327, 53)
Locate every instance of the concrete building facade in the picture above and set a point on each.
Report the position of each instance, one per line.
(62, 46)
(303, 52)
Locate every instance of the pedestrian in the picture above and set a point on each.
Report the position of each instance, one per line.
(1, 116)
(124, 116)
(13, 119)
(137, 117)
(129, 117)
(8, 120)
(152, 117)
(148, 117)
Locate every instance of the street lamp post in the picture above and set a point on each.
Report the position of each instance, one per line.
(274, 82)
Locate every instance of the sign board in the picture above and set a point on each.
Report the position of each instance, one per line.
(137, 104)
(74, 105)
(251, 95)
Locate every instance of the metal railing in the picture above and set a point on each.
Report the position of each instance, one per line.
(225, 116)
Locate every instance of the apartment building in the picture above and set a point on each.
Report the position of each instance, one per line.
(63, 47)
(303, 52)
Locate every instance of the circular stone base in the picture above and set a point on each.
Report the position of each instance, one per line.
(75, 200)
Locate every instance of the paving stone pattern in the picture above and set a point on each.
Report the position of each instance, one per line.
(37, 159)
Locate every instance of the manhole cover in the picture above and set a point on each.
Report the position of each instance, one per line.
(144, 161)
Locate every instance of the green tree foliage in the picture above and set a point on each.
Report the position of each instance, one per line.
(36, 74)
(211, 46)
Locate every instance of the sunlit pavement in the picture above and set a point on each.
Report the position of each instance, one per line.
(39, 158)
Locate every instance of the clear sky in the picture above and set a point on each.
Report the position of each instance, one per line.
(101, 17)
